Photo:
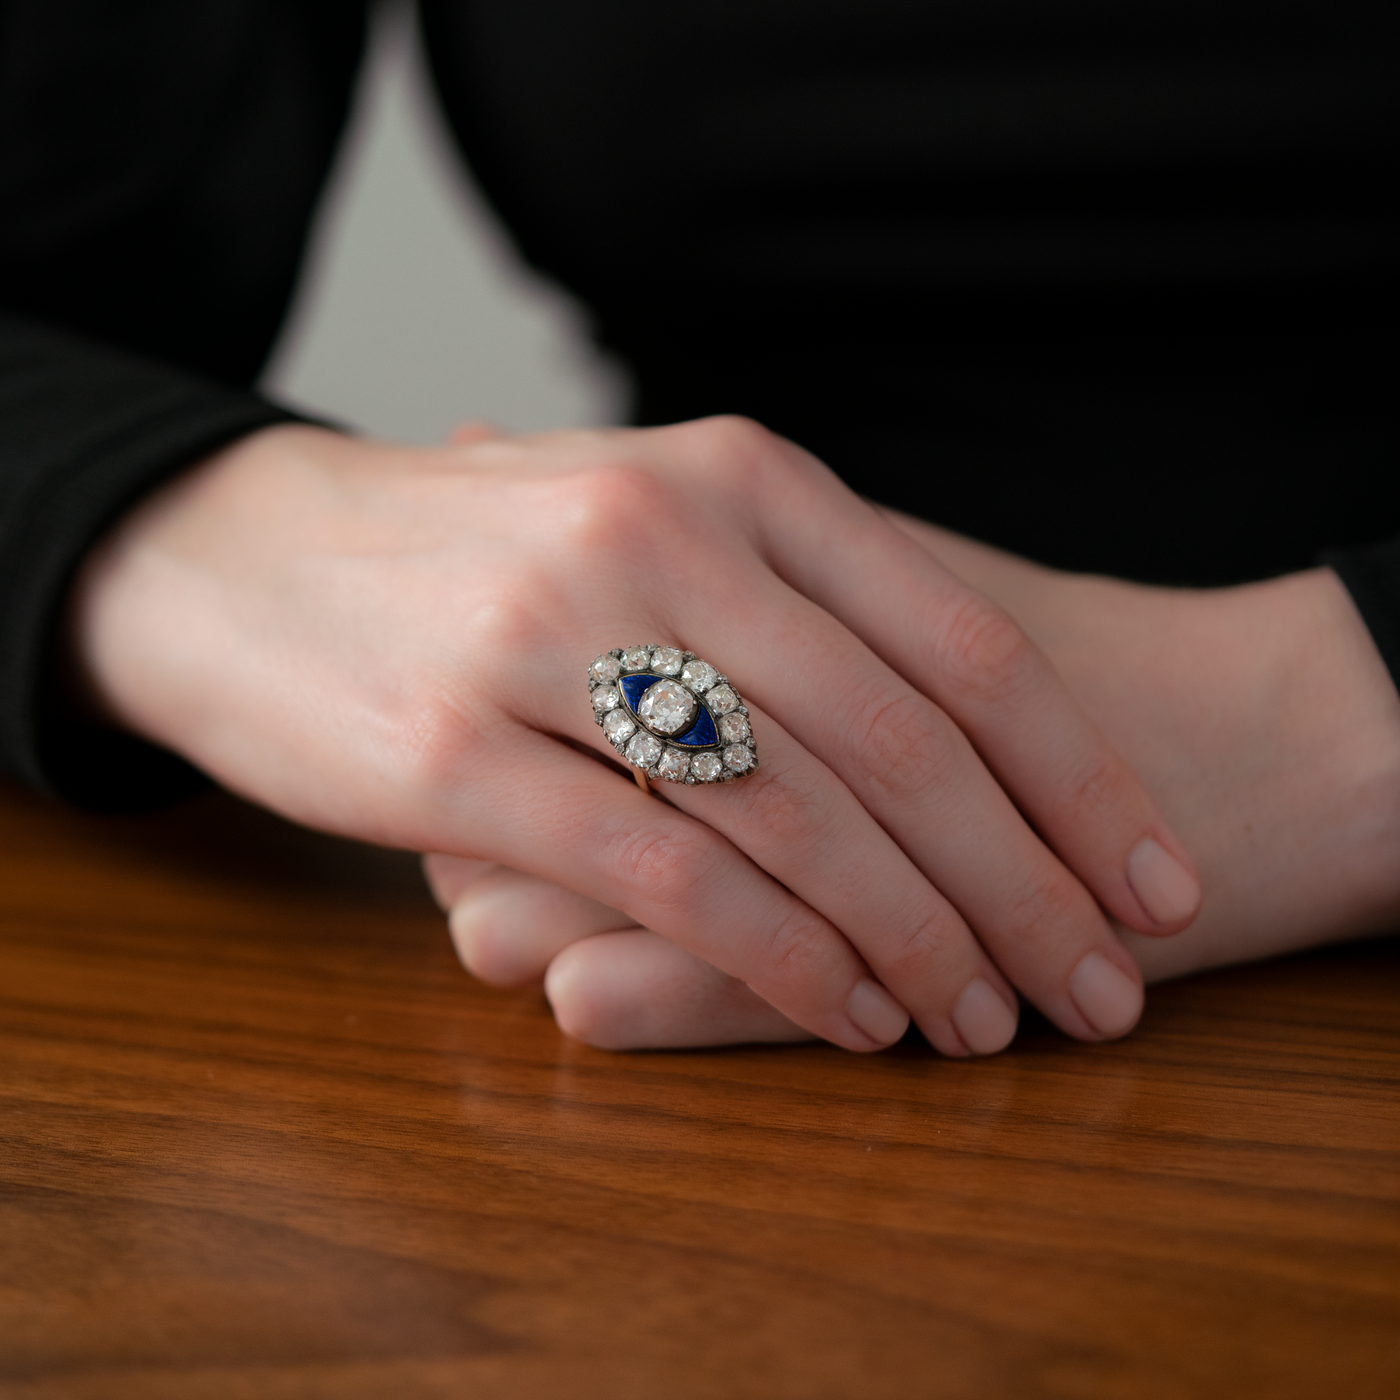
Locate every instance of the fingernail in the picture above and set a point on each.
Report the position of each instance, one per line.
(1164, 887)
(1108, 998)
(877, 1013)
(983, 1019)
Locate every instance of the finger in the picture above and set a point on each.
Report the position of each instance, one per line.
(449, 876)
(507, 927)
(968, 656)
(917, 776)
(565, 817)
(795, 819)
(639, 991)
(910, 768)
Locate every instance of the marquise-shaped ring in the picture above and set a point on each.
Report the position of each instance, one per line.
(671, 716)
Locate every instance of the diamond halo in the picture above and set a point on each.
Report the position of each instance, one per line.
(653, 704)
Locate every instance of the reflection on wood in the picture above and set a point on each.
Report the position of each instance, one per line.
(261, 1136)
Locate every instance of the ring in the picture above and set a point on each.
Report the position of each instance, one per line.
(671, 716)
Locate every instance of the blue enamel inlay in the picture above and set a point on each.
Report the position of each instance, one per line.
(634, 687)
(701, 734)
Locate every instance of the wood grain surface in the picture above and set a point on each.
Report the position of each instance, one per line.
(261, 1137)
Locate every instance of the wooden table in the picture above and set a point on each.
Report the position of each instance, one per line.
(261, 1137)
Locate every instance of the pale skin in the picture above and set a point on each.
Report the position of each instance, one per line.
(390, 643)
(1261, 718)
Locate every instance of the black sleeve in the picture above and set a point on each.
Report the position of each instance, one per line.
(84, 432)
(1372, 577)
(160, 162)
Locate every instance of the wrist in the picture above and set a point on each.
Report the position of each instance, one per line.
(1341, 718)
(126, 605)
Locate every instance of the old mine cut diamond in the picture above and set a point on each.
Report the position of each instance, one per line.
(739, 758)
(644, 750)
(636, 658)
(618, 726)
(605, 668)
(699, 675)
(605, 698)
(667, 707)
(666, 661)
(706, 767)
(673, 765)
(733, 729)
(721, 700)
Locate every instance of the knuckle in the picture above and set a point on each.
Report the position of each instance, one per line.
(734, 434)
(511, 620)
(667, 869)
(904, 747)
(799, 947)
(1097, 792)
(619, 500)
(930, 949)
(1048, 901)
(981, 655)
(790, 805)
(734, 451)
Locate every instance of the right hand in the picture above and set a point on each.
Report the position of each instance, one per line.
(390, 643)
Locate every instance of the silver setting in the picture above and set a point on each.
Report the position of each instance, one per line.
(703, 765)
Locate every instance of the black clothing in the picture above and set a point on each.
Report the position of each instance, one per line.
(1101, 284)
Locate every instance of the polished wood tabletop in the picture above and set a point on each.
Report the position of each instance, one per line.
(260, 1136)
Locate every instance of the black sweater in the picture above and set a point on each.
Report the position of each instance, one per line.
(1105, 284)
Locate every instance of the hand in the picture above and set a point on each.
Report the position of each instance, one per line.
(1261, 718)
(390, 643)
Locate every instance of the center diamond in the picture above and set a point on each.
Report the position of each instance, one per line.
(667, 707)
